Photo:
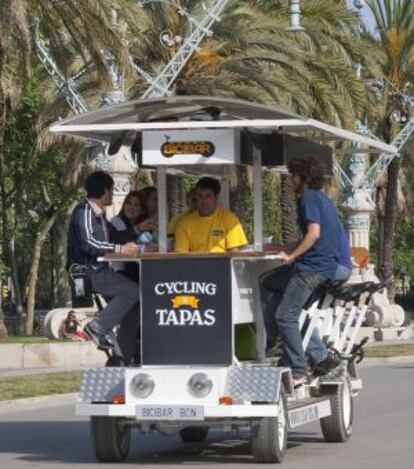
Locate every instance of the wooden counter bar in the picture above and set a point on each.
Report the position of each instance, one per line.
(240, 255)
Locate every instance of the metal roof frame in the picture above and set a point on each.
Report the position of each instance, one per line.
(198, 112)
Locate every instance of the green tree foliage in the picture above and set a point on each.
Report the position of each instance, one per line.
(395, 29)
(33, 188)
(250, 55)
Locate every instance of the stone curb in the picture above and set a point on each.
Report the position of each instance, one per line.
(65, 354)
(39, 401)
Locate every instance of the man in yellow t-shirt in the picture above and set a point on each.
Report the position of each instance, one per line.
(209, 228)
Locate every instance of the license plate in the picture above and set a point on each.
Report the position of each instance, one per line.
(174, 412)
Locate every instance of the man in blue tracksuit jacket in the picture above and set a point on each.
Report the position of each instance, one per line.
(91, 236)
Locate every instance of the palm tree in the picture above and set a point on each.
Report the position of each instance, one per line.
(80, 34)
(395, 26)
(252, 56)
(14, 35)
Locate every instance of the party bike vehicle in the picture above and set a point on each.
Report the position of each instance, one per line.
(203, 362)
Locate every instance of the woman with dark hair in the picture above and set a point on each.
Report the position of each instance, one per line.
(133, 223)
(133, 216)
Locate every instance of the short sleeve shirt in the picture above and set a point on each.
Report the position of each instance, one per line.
(219, 232)
(315, 207)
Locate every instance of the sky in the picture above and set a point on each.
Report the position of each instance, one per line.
(366, 15)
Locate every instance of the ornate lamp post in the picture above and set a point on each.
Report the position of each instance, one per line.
(294, 16)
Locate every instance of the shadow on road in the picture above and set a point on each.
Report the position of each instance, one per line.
(69, 442)
(46, 441)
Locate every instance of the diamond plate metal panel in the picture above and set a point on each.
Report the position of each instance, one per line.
(337, 375)
(100, 384)
(254, 383)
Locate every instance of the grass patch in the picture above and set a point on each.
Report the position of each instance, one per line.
(392, 350)
(39, 385)
(17, 339)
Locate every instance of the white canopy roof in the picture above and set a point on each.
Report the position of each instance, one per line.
(123, 121)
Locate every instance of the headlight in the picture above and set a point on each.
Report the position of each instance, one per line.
(142, 385)
(200, 385)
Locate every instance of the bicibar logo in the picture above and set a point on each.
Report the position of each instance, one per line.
(203, 148)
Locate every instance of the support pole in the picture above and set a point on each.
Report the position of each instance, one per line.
(359, 205)
(162, 208)
(257, 199)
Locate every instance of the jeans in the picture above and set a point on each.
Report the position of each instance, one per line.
(342, 273)
(121, 310)
(284, 292)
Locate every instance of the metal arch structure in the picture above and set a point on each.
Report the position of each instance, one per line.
(381, 164)
(161, 84)
(65, 86)
(171, 71)
(158, 86)
(374, 173)
(370, 179)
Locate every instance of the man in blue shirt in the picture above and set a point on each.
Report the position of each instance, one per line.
(308, 265)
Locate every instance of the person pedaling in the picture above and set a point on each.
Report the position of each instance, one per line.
(90, 237)
(320, 257)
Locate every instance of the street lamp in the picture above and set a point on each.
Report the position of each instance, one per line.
(169, 41)
(294, 14)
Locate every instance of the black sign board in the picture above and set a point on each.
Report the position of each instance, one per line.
(186, 312)
(280, 149)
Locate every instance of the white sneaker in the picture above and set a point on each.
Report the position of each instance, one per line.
(299, 380)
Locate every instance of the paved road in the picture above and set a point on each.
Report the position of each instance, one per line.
(383, 436)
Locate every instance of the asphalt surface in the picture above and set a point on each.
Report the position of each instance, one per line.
(383, 436)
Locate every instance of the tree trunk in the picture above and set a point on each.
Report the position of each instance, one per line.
(3, 328)
(386, 266)
(239, 185)
(33, 274)
(11, 255)
(61, 290)
(290, 227)
(173, 195)
(380, 204)
(182, 195)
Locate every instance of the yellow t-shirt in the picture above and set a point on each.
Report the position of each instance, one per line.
(175, 220)
(219, 232)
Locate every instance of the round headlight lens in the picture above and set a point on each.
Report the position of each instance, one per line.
(142, 385)
(200, 385)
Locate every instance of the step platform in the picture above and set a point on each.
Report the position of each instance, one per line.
(308, 410)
